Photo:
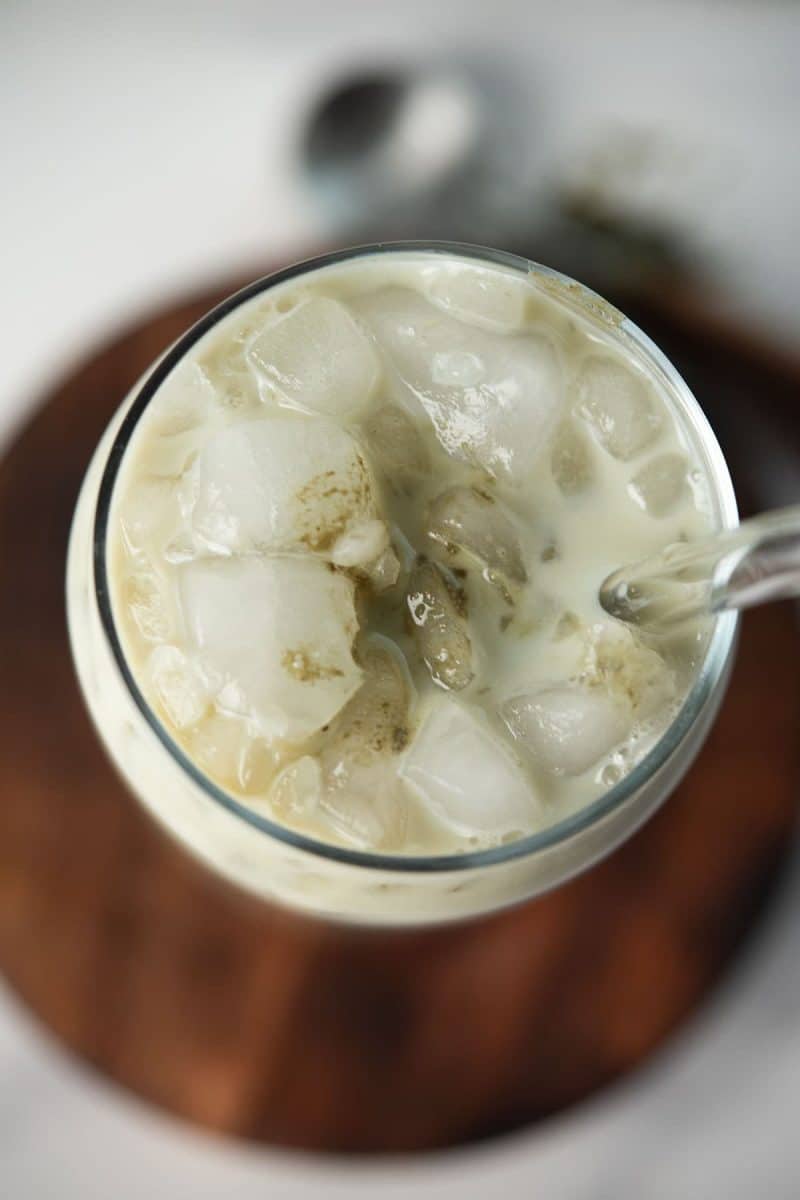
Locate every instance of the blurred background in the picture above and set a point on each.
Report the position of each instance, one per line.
(154, 151)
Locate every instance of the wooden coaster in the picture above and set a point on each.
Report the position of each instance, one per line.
(256, 1023)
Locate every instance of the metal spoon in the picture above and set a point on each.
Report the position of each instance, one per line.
(384, 141)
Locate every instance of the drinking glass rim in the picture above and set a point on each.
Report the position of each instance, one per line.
(719, 646)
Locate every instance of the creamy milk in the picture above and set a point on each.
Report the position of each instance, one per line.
(356, 546)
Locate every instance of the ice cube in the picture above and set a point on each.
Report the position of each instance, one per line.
(228, 752)
(618, 661)
(371, 812)
(296, 793)
(440, 632)
(570, 459)
(476, 523)
(277, 635)
(373, 726)
(568, 728)
(284, 483)
(363, 542)
(467, 777)
(660, 484)
(185, 401)
(186, 492)
(365, 549)
(567, 626)
(618, 406)
(384, 572)
(492, 299)
(316, 358)
(147, 598)
(169, 457)
(179, 686)
(180, 549)
(149, 513)
(501, 418)
(182, 414)
(235, 386)
(363, 798)
(397, 447)
(457, 368)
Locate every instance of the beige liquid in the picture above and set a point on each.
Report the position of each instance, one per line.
(436, 713)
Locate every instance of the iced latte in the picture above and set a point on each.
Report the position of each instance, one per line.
(354, 543)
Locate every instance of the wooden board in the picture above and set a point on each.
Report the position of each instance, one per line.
(253, 1022)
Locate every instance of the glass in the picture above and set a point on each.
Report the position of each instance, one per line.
(281, 865)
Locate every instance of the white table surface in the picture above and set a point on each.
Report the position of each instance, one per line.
(146, 149)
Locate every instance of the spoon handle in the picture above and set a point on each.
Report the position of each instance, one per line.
(757, 562)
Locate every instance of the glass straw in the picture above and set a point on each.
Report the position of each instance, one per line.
(757, 562)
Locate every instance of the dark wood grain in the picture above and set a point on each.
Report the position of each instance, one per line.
(250, 1021)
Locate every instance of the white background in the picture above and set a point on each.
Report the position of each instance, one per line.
(148, 148)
